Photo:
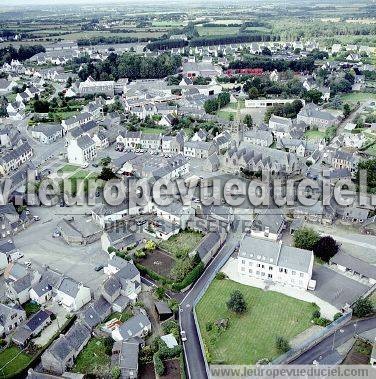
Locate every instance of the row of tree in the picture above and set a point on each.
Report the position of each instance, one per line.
(211, 106)
(22, 53)
(131, 66)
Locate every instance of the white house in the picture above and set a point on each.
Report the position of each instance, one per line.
(81, 151)
(72, 295)
(274, 262)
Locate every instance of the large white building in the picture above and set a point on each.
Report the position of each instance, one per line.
(81, 151)
(275, 262)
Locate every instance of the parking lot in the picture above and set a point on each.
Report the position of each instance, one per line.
(335, 288)
(39, 247)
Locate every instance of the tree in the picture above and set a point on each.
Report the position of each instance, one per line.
(236, 303)
(105, 161)
(115, 373)
(346, 110)
(306, 238)
(253, 93)
(106, 174)
(313, 96)
(211, 106)
(282, 345)
(248, 120)
(362, 307)
(160, 292)
(325, 248)
(150, 245)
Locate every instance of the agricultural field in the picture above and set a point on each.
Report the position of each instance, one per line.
(204, 31)
(251, 336)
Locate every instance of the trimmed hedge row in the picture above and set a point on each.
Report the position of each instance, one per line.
(190, 278)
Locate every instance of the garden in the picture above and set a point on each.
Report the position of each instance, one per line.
(260, 331)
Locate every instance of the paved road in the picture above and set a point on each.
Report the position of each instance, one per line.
(340, 337)
(192, 349)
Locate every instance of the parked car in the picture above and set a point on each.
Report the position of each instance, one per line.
(98, 268)
(36, 218)
(183, 336)
(56, 234)
(95, 165)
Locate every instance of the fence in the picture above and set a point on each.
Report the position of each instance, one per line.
(312, 341)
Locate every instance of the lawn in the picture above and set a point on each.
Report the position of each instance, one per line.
(358, 96)
(31, 308)
(68, 168)
(93, 358)
(249, 337)
(22, 360)
(181, 244)
(227, 114)
(152, 130)
(121, 316)
(314, 135)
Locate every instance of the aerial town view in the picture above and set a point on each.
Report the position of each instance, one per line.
(188, 189)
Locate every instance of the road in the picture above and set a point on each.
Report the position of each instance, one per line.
(351, 117)
(340, 337)
(192, 349)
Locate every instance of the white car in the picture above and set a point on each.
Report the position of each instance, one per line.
(183, 336)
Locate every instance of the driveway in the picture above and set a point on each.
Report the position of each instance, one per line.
(335, 288)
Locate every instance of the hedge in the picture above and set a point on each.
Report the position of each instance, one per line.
(158, 364)
(190, 278)
(152, 274)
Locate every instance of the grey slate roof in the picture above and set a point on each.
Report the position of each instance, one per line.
(38, 319)
(42, 287)
(84, 142)
(134, 326)
(355, 264)
(76, 335)
(69, 287)
(275, 253)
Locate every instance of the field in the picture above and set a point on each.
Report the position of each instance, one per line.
(22, 360)
(249, 337)
(358, 96)
(93, 358)
(217, 30)
(181, 244)
(152, 130)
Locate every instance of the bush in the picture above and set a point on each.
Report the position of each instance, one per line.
(140, 254)
(115, 373)
(190, 278)
(316, 314)
(158, 364)
(337, 316)
(209, 326)
(325, 248)
(321, 321)
(153, 275)
(220, 275)
(362, 307)
(282, 345)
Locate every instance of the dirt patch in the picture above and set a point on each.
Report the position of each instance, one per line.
(159, 262)
(172, 369)
(147, 371)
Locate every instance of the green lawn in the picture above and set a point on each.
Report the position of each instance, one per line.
(22, 361)
(93, 358)
(314, 134)
(358, 96)
(181, 244)
(249, 337)
(31, 308)
(152, 130)
(122, 316)
(68, 168)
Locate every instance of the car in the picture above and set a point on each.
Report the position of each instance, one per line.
(183, 336)
(141, 222)
(95, 165)
(36, 218)
(28, 263)
(98, 268)
(56, 234)
(85, 165)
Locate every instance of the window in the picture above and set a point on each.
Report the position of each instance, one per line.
(258, 265)
(301, 275)
(257, 272)
(281, 270)
(270, 268)
(270, 276)
(263, 274)
(250, 263)
(243, 261)
(293, 272)
(250, 271)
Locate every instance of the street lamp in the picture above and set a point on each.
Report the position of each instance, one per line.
(334, 337)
